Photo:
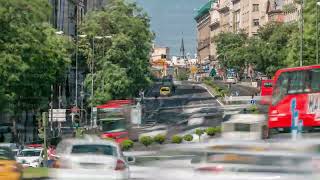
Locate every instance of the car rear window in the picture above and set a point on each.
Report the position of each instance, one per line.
(94, 149)
(6, 154)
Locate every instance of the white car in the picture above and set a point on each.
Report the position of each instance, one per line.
(32, 157)
(90, 158)
(232, 80)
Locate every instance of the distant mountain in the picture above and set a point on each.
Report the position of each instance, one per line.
(171, 18)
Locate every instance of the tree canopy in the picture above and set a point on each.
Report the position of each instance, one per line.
(120, 63)
(32, 56)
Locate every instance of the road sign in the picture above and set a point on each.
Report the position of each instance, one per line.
(58, 115)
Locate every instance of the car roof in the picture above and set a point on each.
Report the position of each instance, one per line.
(89, 140)
(32, 149)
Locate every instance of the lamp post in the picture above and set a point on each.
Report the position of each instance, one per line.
(301, 32)
(92, 70)
(317, 27)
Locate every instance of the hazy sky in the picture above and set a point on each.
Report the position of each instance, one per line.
(171, 18)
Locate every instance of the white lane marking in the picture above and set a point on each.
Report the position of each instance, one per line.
(221, 104)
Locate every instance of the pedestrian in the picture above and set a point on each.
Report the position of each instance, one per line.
(51, 155)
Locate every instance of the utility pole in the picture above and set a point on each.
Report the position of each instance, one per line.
(92, 94)
(77, 49)
(51, 110)
(317, 24)
(301, 32)
(44, 124)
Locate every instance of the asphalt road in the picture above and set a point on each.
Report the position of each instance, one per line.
(242, 90)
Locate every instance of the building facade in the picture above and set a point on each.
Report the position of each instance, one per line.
(203, 19)
(291, 11)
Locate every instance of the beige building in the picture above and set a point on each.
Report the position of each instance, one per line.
(159, 53)
(291, 11)
(203, 20)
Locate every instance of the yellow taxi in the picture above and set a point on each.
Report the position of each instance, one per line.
(165, 91)
(9, 168)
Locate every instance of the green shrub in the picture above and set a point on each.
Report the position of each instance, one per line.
(199, 132)
(211, 131)
(160, 138)
(146, 140)
(188, 137)
(176, 139)
(126, 145)
(218, 129)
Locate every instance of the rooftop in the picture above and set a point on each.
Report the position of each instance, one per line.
(204, 9)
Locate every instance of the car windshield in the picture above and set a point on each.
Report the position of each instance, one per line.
(94, 149)
(29, 153)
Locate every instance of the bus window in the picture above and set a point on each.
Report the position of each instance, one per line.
(299, 82)
(281, 88)
(315, 80)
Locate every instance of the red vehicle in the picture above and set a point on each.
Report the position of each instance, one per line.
(117, 136)
(114, 119)
(303, 84)
(266, 91)
(34, 145)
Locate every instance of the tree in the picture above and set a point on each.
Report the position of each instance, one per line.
(146, 140)
(32, 56)
(126, 55)
(199, 132)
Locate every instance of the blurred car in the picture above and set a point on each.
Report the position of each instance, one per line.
(119, 137)
(9, 145)
(90, 158)
(255, 165)
(9, 168)
(232, 80)
(31, 157)
(245, 127)
(165, 91)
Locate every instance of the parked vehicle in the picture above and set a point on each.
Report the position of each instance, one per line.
(301, 84)
(31, 157)
(231, 79)
(10, 169)
(90, 158)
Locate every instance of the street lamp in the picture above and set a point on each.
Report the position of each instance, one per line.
(317, 24)
(92, 67)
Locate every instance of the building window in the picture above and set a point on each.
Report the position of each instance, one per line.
(255, 7)
(256, 22)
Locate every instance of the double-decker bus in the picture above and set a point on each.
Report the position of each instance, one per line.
(303, 84)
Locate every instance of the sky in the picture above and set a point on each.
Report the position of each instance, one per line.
(173, 20)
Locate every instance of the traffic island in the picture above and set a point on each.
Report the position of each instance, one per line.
(35, 173)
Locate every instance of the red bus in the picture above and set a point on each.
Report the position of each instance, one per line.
(266, 91)
(302, 83)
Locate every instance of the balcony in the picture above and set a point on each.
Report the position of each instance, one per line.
(215, 23)
(224, 6)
